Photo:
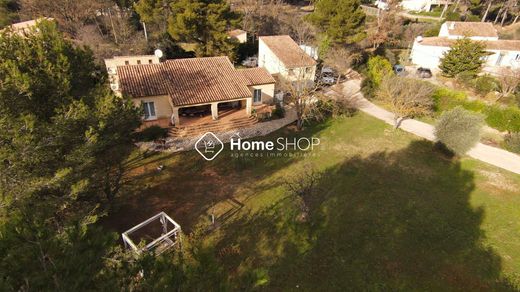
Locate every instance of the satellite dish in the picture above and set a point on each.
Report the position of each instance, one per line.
(158, 53)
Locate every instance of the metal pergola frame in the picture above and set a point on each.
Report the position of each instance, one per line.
(164, 238)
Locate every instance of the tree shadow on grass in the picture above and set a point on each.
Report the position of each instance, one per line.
(391, 221)
(189, 187)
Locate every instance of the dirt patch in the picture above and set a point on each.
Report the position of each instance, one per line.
(498, 181)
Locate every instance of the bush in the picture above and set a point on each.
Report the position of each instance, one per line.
(466, 78)
(459, 130)
(512, 142)
(378, 68)
(333, 108)
(278, 112)
(453, 16)
(486, 84)
(152, 133)
(433, 31)
(503, 119)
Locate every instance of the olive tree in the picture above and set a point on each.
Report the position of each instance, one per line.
(459, 130)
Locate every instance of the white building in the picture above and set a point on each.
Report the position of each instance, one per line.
(427, 52)
(282, 56)
(422, 5)
(477, 31)
(238, 35)
(113, 63)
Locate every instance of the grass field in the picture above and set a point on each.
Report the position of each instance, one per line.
(389, 214)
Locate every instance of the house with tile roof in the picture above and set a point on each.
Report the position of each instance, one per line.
(238, 35)
(428, 51)
(195, 91)
(280, 55)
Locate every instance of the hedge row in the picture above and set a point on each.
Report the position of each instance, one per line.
(503, 119)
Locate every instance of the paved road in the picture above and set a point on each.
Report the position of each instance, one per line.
(374, 12)
(492, 155)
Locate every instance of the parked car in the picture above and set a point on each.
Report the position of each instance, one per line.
(399, 70)
(327, 76)
(424, 72)
(250, 62)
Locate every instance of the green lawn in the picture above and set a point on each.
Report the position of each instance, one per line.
(390, 214)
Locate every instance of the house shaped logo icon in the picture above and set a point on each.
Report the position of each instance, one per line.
(209, 146)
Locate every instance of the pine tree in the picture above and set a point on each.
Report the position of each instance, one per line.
(465, 56)
(204, 22)
(342, 21)
(8, 12)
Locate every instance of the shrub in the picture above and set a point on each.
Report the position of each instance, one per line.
(485, 84)
(503, 119)
(152, 133)
(466, 78)
(433, 31)
(279, 111)
(459, 130)
(378, 68)
(333, 108)
(453, 16)
(512, 142)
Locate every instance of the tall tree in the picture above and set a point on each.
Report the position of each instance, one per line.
(342, 21)
(464, 56)
(406, 97)
(154, 13)
(387, 26)
(8, 12)
(204, 22)
(63, 140)
(63, 135)
(72, 15)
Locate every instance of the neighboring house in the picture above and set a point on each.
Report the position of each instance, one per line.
(280, 55)
(422, 5)
(25, 27)
(311, 51)
(478, 31)
(194, 87)
(113, 63)
(427, 52)
(238, 35)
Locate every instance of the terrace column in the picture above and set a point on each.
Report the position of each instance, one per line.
(249, 105)
(175, 116)
(214, 110)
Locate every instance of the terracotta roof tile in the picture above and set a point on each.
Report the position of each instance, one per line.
(257, 76)
(506, 45)
(142, 80)
(471, 29)
(289, 53)
(187, 81)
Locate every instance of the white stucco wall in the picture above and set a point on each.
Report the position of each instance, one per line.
(429, 57)
(268, 60)
(163, 107)
(508, 59)
(416, 5)
(267, 92)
